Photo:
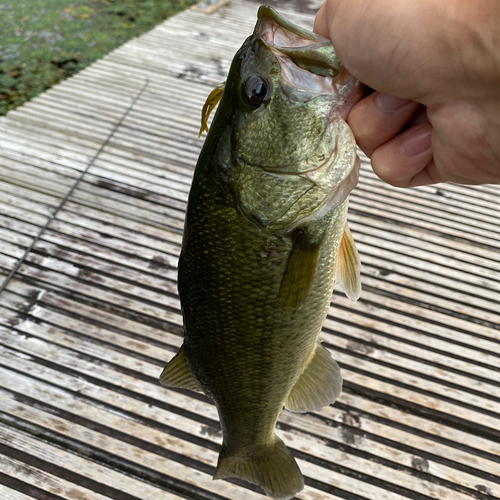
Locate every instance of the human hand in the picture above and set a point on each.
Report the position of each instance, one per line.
(436, 67)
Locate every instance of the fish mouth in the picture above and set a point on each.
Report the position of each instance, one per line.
(309, 66)
(307, 50)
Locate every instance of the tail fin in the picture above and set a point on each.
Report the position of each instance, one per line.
(270, 465)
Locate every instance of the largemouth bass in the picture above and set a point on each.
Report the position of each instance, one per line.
(265, 223)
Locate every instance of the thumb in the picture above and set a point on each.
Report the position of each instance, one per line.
(321, 23)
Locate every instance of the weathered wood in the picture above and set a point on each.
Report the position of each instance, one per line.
(92, 315)
(51, 483)
(83, 467)
(10, 494)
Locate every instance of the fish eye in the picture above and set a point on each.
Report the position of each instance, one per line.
(256, 90)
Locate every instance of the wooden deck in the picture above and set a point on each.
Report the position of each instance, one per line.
(94, 176)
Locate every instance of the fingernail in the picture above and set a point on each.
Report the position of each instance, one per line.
(389, 103)
(416, 140)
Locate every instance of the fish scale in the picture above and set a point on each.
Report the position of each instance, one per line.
(265, 226)
(244, 339)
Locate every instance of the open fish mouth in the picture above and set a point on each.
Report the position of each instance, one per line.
(306, 49)
(308, 62)
(273, 32)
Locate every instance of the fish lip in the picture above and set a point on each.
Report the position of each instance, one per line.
(309, 66)
(306, 49)
(305, 36)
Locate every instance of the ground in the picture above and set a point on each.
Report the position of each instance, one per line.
(45, 41)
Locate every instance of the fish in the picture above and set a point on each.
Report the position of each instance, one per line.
(264, 242)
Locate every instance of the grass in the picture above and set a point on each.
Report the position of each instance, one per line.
(45, 41)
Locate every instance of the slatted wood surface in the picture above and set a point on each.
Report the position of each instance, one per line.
(94, 177)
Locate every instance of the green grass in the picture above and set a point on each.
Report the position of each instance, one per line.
(45, 41)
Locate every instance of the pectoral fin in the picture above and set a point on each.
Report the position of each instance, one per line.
(212, 100)
(178, 374)
(349, 267)
(299, 271)
(318, 386)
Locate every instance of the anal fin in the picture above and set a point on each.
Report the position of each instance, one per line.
(178, 374)
(318, 386)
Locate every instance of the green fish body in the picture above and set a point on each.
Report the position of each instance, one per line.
(266, 221)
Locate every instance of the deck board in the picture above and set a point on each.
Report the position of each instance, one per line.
(94, 178)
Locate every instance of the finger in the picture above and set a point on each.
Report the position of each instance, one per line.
(407, 159)
(320, 22)
(429, 175)
(378, 118)
(420, 116)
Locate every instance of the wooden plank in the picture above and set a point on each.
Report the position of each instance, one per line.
(390, 311)
(53, 243)
(113, 421)
(66, 174)
(418, 426)
(99, 267)
(85, 128)
(119, 232)
(119, 204)
(93, 315)
(455, 303)
(411, 344)
(50, 483)
(432, 201)
(9, 236)
(11, 250)
(9, 316)
(115, 446)
(115, 221)
(11, 494)
(452, 229)
(417, 211)
(18, 227)
(148, 311)
(42, 145)
(28, 194)
(381, 263)
(23, 215)
(157, 256)
(306, 424)
(83, 467)
(449, 403)
(125, 266)
(426, 319)
(100, 419)
(22, 203)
